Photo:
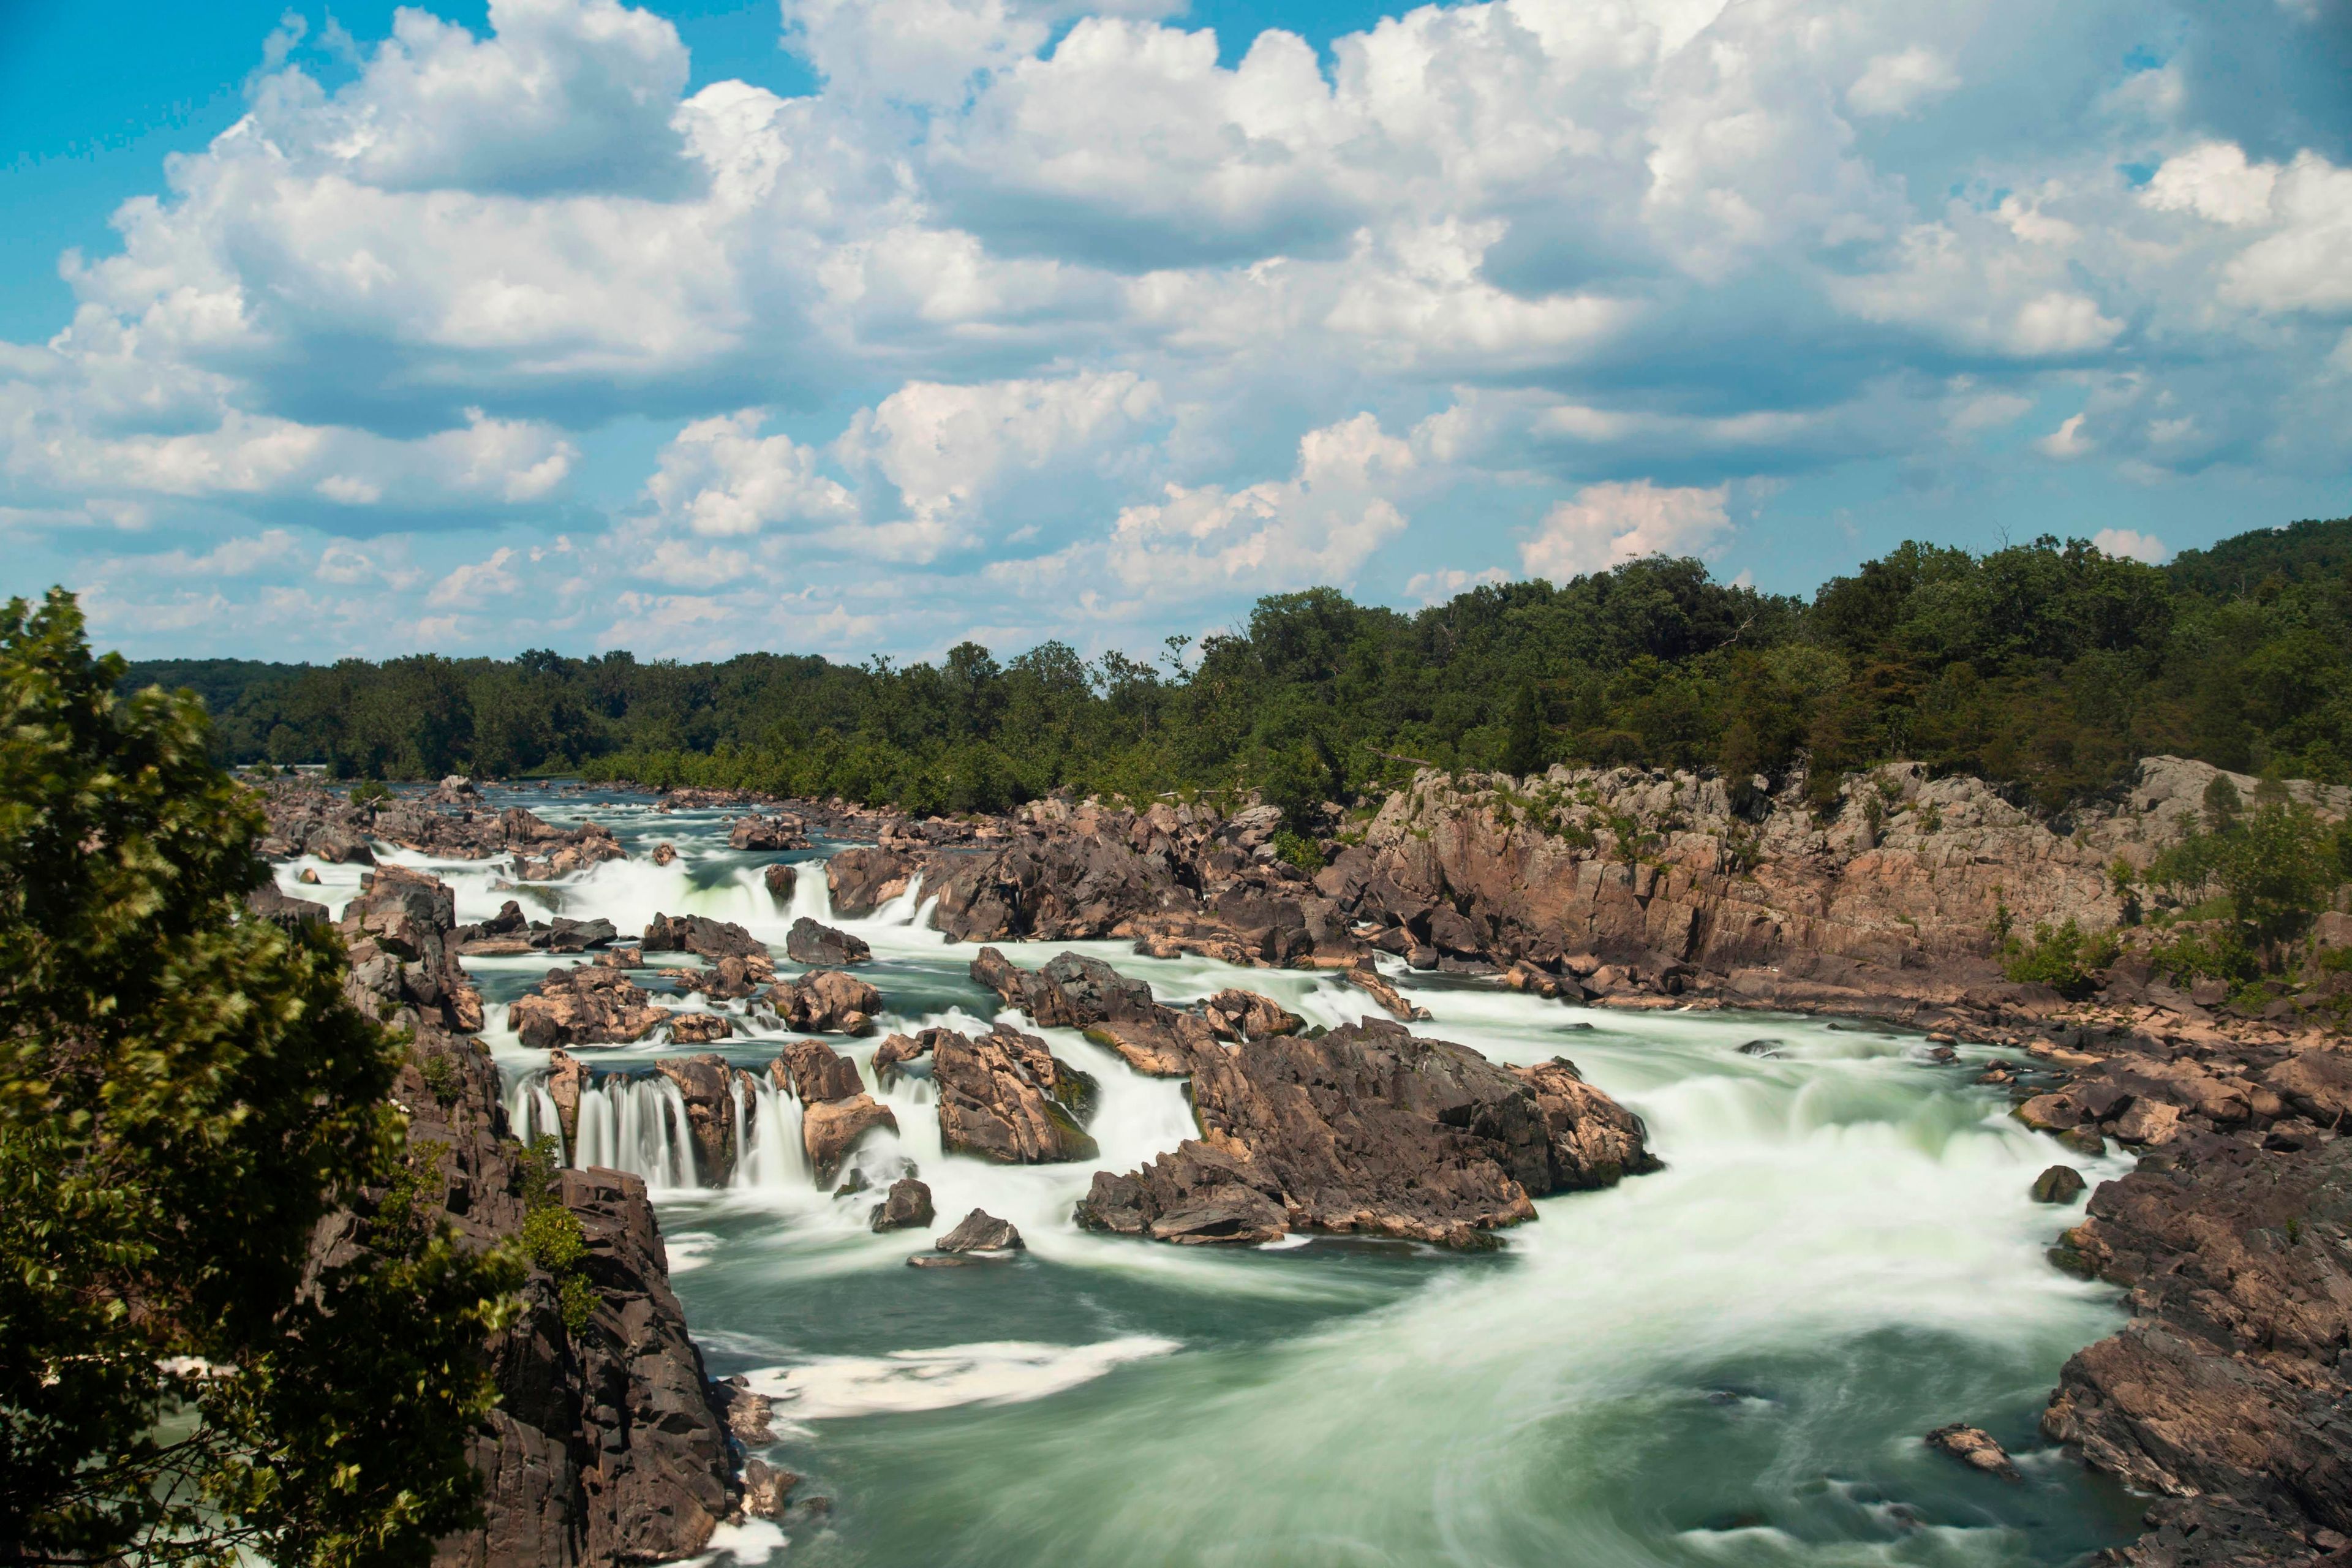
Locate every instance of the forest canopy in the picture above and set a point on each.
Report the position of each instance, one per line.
(2049, 666)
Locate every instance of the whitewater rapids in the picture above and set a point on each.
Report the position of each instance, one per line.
(1729, 1362)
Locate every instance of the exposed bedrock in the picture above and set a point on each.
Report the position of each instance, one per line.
(2227, 1395)
(604, 1447)
(1369, 1129)
(835, 1110)
(824, 1002)
(811, 942)
(588, 1004)
(1004, 1097)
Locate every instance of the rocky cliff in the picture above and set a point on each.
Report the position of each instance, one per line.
(604, 1447)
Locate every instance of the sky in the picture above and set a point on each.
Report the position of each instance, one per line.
(864, 328)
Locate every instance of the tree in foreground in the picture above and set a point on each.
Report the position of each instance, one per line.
(184, 1096)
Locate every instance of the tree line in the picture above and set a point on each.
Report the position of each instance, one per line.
(2046, 667)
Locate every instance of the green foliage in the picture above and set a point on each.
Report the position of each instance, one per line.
(552, 1238)
(440, 1074)
(2047, 666)
(1301, 852)
(369, 792)
(2063, 959)
(2275, 866)
(183, 1094)
(2205, 955)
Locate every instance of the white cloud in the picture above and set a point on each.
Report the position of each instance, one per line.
(1433, 588)
(1606, 523)
(472, 585)
(2131, 545)
(2214, 180)
(2066, 441)
(718, 478)
(1900, 82)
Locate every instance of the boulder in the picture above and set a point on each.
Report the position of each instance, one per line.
(815, 1073)
(1166, 1045)
(1368, 1129)
(567, 1080)
(665, 853)
(861, 880)
(809, 942)
(698, 1028)
(707, 1085)
(587, 1004)
(736, 975)
(1004, 1098)
(767, 1491)
(1246, 1015)
(1367, 979)
(830, 1131)
(778, 879)
(283, 909)
(1595, 1141)
(702, 936)
(1071, 990)
(906, 1205)
(826, 1002)
(1974, 1449)
(2058, 1184)
(981, 1231)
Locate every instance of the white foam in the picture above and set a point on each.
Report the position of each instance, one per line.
(999, 1371)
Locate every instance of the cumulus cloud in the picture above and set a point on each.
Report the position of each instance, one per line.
(2132, 545)
(1085, 284)
(1604, 524)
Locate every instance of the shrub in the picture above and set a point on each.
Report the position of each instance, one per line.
(2063, 959)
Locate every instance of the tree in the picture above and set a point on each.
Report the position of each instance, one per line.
(184, 1094)
(1524, 750)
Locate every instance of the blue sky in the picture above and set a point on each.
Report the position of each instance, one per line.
(849, 328)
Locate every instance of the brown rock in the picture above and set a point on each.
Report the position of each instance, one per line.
(778, 832)
(981, 1231)
(809, 942)
(1006, 1099)
(779, 878)
(825, 1001)
(1595, 1141)
(907, 1205)
(1974, 1449)
(698, 1028)
(665, 853)
(1246, 1015)
(2058, 1184)
(707, 1085)
(767, 1491)
(584, 1005)
(815, 1073)
(1162, 1045)
(1367, 979)
(701, 936)
(830, 1130)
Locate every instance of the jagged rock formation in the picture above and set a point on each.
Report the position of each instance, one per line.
(604, 1447)
(809, 942)
(587, 1004)
(906, 1206)
(702, 936)
(1368, 1129)
(824, 1002)
(835, 1110)
(1003, 1097)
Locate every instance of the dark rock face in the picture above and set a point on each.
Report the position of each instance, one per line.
(904, 1206)
(1367, 1129)
(1246, 1015)
(825, 1002)
(861, 880)
(2058, 1184)
(779, 878)
(1974, 1449)
(1070, 990)
(981, 1231)
(270, 904)
(702, 936)
(809, 943)
(2225, 1395)
(588, 1004)
(707, 1084)
(603, 1448)
(1005, 1098)
(819, 1073)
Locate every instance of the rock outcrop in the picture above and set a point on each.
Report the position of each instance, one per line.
(702, 936)
(906, 1206)
(587, 1004)
(811, 942)
(835, 1110)
(782, 831)
(824, 1002)
(604, 1447)
(707, 1084)
(981, 1231)
(1975, 1449)
(1369, 1130)
(1003, 1098)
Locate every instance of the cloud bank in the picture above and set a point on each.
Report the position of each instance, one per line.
(1043, 320)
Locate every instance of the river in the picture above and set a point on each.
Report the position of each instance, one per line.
(1729, 1362)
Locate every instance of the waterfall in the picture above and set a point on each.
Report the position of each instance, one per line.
(775, 1157)
(531, 1114)
(902, 909)
(639, 1125)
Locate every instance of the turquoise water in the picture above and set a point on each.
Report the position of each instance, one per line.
(1729, 1362)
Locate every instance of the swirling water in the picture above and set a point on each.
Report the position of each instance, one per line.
(1729, 1362)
